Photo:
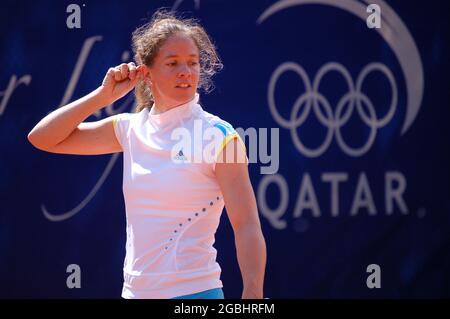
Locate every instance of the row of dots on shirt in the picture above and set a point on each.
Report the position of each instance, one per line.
(190, 219)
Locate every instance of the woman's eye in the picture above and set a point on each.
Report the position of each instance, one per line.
(194, 63)
(171, 63)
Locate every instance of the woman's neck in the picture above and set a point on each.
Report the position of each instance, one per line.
(161, 107)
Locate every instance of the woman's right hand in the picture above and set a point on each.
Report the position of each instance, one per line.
(120, 80)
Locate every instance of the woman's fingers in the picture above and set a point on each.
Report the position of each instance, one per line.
(122, 78)
(132, 71)
(110, 74)
(117, 74)
(124, 71)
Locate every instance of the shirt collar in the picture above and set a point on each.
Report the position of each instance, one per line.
(173, 114)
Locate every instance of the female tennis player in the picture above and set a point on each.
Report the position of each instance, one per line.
(173, 203)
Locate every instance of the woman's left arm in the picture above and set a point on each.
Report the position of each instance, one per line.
(242, 210)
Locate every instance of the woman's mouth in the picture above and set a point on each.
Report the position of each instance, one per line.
(183, 86)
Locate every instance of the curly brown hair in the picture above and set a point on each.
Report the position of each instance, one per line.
(147, 40)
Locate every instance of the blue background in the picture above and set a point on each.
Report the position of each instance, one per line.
(312, 257)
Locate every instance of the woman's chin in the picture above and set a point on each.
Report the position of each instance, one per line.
(184, 95)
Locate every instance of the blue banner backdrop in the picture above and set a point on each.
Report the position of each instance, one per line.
(363, 124)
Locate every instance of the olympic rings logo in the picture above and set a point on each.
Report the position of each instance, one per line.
(312, 98)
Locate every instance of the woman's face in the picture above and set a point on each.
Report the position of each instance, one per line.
(174, 74)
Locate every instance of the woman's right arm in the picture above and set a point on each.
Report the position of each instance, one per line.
(63, 131)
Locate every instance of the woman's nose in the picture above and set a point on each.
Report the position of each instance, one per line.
(184, 71)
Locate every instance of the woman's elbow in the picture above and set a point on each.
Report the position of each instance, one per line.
(35, 140)
(32, 138)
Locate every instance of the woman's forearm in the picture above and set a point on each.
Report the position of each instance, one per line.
(251, 254)
(58, 125)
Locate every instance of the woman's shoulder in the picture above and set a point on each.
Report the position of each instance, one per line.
(130, 116)
(213, 120)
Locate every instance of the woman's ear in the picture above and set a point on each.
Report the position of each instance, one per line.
(148, 80)
(146, 74)
(144, 70)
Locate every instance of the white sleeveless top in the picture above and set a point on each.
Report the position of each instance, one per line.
(173, 203)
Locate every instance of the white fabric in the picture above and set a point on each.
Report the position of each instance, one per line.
(173, 207)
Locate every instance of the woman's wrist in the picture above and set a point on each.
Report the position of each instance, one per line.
(100, 98)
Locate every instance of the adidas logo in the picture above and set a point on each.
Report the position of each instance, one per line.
(180, 156)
